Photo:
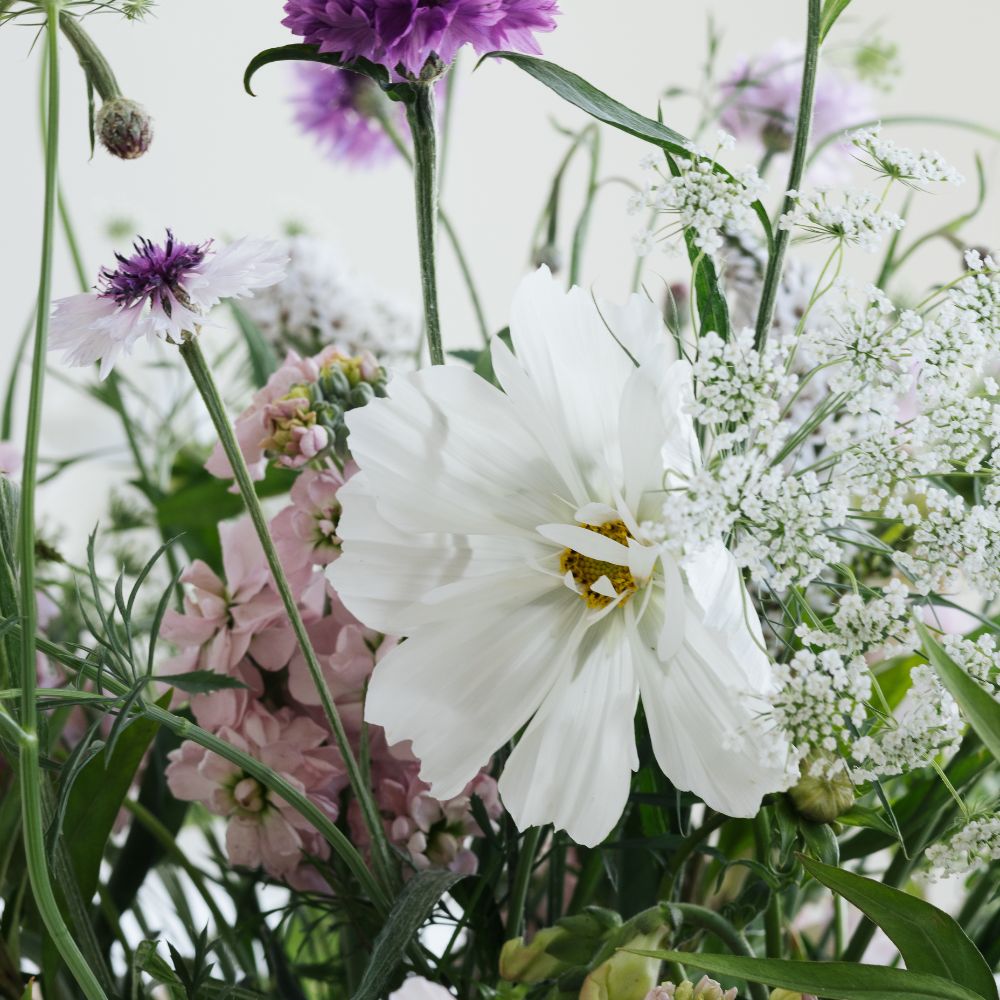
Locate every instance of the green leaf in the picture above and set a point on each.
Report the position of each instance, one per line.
(412, 907)
(263, 360)
(832, 9)
(201, 681)
(298, 52)
(928, 939)
(979, 707)
(97, 796)
(597, 104)
(832, 980)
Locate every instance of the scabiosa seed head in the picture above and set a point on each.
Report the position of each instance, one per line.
(124, 128)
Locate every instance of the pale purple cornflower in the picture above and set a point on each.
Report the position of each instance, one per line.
(337, 107)
(403, 34)
(162, 290)
(761, 105)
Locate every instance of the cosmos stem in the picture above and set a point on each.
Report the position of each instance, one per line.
(194, 358)
(421, 117)
(775, 262)
(29, 766)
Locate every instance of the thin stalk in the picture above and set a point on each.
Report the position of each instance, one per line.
(98, 69)
(423, 127)
(447, 227)
(522, 881)
(772, 278)
(773, 933)
(715, 923)
(685, 849)
(29, 764)
(194, 358)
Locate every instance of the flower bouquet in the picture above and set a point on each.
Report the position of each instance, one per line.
(646, 649)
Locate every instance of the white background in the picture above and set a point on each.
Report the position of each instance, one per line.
(225, 164)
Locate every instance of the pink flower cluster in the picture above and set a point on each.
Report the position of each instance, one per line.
(294, 420)
(236, 625)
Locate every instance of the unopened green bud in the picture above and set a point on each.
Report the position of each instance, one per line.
(789, 995)
(776, 136)
(531, 963)
(824, 790)
(124, 128)
(627, 976)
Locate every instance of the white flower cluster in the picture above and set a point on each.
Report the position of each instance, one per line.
(322, 301)
(899, 163)
(926, 725)
(820, 703)
(869, 349)
(739, 389)
(883, 623)
(858, 219)
(708, 202)
(952, 540)
(979, 658)
(978, 842)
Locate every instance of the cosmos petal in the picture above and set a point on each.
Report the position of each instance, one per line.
(573, 765)
(587, 543)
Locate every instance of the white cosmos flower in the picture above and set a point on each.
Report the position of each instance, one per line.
(502, 533)
(162, 290)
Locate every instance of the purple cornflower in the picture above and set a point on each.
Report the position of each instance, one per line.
(761, 105)
(162, 290)
(403, 34)
(336, 107)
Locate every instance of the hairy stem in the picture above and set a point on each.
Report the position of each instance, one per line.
(29, 764)
(772, 278)
(420, 114)
(205, 383)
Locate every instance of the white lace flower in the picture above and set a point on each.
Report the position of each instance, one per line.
(902, 164)
(501, 533)
(161, 291)
(858, 219)
(978, 842)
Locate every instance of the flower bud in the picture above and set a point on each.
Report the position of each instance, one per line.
(824, 790)
(124, 128)
(705, 989)
(625, 975)
(550, 256)
(531, 963)
(789, 995)
(776, 137)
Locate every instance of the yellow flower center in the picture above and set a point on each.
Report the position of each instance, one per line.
(587, 571)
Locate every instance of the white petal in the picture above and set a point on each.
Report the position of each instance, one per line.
(697, 705)
(573, 765)
(596, 514)
(587, 543)
(235, 270)
(88, 328)
(448, 452)
(462, 689)
(717, 586)
(394, 581)
(671, 636)
(639, 327)
(578, 369)
(603, 586)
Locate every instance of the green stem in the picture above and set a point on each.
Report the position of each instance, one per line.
(772, 278)
(205, 383)
(97, 68)
(420, 114)
(715, 923)
(447, 227)
(773, 932)
(522, 881)
(685, 849)
(29, 764)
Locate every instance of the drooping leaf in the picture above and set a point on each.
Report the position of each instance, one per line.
(832, 9)
(832, 980)
(606, 109)
(979, 707)
(97, 796)
(412, 907)
(928, 939)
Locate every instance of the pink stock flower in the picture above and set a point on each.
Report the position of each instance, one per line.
(305, 532)
(295, 418)
(263, 830)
